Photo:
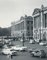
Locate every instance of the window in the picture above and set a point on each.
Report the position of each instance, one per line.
(31, 27)
(28, 28)
(28, 33)
(45, 16)
(37, 22)
(27, 22)
(31, 22)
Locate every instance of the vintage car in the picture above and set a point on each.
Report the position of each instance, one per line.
(38, 53)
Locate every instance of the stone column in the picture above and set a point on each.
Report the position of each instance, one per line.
(33, 27)
(42, 21)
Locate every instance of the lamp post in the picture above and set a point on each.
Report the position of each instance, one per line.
(23, 39)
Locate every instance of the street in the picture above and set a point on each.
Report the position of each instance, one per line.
(31, 45)
(22, 56)
(25, 55)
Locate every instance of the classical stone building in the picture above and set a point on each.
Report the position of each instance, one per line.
(24, 25)
(40, 23)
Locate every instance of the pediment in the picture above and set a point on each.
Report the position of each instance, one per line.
(36, 10)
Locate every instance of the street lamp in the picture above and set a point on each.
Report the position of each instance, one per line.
(23, 39)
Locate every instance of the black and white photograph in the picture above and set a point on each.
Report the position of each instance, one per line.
(23, 29)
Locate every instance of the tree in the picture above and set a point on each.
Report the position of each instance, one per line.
(5, 32)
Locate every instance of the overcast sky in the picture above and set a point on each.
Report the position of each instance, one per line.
(12, 10)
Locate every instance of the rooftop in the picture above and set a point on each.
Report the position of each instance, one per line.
(37, 10)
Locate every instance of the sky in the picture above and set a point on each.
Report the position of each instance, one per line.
(12, 10)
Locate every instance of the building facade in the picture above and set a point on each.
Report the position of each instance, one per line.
(40, 23)
(24, 25)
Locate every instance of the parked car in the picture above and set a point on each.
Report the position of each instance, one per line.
(23, 48)
(14, 53)
(38, 53)
(32, 41)
(31, 50)
(37, 41)
(6, 52)
(9, 52)
(43, 43)
(19, 48)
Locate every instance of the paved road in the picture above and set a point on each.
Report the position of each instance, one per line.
(22, 56)
(25, 55)
(32, 45)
